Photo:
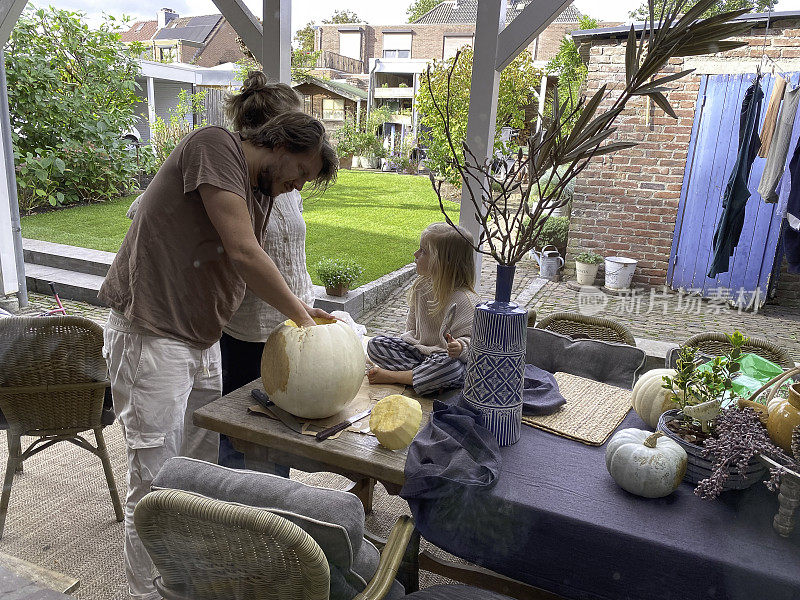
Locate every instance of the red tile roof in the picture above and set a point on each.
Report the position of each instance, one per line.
(140, 31)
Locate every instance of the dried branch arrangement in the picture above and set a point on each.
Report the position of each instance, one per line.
(555, 156)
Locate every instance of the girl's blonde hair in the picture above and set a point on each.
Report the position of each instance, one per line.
(451, 261)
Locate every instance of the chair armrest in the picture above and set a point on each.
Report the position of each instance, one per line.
(391, 557)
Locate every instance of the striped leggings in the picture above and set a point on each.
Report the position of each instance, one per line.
(431, 373)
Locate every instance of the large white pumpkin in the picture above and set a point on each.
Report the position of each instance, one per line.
(312, 372)
(649, 399)
(645, 463)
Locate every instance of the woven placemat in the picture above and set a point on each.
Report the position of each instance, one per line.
(592, 412)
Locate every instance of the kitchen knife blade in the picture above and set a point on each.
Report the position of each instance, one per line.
(286, 418)
(326, 433)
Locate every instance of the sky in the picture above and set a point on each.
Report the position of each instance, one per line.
(303, 11)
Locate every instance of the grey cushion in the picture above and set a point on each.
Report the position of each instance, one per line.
(456, 592)
(335, 519)
(616, 364)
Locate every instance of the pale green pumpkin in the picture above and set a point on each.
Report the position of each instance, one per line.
(645, 463)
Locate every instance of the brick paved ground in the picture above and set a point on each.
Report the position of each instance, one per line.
(671, 317)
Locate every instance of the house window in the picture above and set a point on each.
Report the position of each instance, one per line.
(453, 43)
(396, 45)
(333, 109)
(308, 103)
(350, 44)
(168, 55)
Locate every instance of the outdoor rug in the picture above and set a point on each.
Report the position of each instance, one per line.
(592, 412)
(60, 515)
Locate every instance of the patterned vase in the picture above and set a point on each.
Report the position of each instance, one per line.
(496, 363)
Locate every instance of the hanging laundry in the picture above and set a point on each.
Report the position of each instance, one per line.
(791, 229)
(771, 116)
(776, 157)
(729, 228)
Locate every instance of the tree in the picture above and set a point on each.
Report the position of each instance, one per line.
(419, 7)
(343, 16)
(304, 38)
(569, 67)
(518, 83)
(72, 93)
(720, 6)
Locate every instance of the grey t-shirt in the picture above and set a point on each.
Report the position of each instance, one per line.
(172, 276)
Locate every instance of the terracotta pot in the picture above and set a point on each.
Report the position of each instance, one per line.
(339, 290)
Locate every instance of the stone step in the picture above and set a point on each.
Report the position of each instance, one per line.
(70, 285)
(68, 258)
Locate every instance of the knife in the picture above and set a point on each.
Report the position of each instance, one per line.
(286, 418)
(326, 433)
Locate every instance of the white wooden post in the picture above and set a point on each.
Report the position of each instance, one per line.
(358, 112)
(12, 261)
(482, 108)
(151, 104)
(276, 49)
(542, 96)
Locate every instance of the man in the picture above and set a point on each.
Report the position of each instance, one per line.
(194, 244)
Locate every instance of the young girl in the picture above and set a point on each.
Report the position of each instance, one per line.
(431, 354)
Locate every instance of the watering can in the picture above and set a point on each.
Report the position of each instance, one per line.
(550, 262)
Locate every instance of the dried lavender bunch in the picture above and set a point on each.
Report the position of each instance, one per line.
(739, 436)
(796, 444)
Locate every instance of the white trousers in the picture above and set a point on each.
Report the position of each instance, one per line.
(157, 383)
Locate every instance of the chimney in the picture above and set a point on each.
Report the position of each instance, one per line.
(165, 15)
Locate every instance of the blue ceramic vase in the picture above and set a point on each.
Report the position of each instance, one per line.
(496, 363)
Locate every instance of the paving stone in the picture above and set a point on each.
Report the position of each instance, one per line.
(670, 317)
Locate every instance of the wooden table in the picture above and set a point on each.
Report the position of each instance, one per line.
(263, 440)
(359, 457)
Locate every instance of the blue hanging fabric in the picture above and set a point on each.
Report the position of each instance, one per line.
(791, 233)
(729, 228)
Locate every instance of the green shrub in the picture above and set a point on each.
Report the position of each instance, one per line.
(334, 272)
(165, 135)
(72, 93)
(555, 232)
(588, 257)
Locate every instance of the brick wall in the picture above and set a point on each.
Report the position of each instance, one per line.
(221, 48)
(427, 40)
(627, 203)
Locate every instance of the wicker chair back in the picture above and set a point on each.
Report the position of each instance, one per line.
(578, 326)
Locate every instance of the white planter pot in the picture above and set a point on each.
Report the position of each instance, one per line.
(585, 273)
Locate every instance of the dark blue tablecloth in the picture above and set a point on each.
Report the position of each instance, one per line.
(555, 519)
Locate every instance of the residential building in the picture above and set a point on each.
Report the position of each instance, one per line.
(205, 41)
(389, 59)
(332, 102)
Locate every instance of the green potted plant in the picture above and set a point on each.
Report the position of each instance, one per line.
(338, 274)
(586, 265)
(700, 392)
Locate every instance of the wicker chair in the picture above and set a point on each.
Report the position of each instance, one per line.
(53, 379)
(208, 549)
(716, 344)
(578, 326)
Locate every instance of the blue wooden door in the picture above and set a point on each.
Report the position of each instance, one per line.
(712, 154)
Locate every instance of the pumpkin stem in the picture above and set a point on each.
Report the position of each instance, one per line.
(650, 442)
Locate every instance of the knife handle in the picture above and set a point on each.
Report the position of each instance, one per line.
(260, 397)
(326, 433)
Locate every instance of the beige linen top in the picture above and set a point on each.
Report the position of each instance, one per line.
(426, 331)
(172, 276)
(285, 242)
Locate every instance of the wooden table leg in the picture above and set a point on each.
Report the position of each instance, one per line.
(364, 489)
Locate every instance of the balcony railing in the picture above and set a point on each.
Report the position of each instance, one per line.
(331, 60)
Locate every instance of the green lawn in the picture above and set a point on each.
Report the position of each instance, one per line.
(373, 218)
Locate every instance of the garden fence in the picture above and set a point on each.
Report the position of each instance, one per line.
(214, 107)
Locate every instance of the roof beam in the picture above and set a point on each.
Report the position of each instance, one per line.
(527, 25)
(243, 21)
(10, 10)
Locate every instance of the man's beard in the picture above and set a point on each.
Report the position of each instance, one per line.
(265, 181)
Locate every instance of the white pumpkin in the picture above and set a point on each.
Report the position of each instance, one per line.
(312, 372)
(645, 463)
(395, 420)
(649, 399)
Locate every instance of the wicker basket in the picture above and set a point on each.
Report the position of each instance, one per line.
(699, 467)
